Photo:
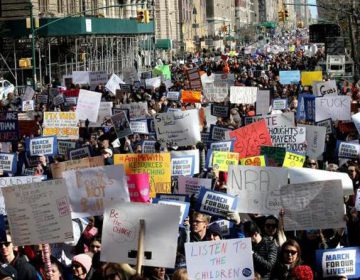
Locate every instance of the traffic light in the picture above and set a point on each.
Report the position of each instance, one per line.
(140, 16)
(281, 16)
(146, 16)
(286, 14)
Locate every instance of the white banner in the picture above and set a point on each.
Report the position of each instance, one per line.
(243, 95)
(88, 105)
(338, 108)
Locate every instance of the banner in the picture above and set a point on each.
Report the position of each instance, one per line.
(137, 110)
(191, 186)
(338, 262)
(215, 203)
(104, 113)
(293, 160)
(80, 153)
(289, 77)
(46, 146)
(315, 140)
(218, 110)
(257, 188)
(253, 161)
(178, 128)
(221, 259)
(88, 105)
(121, 227)
(27, 106)
(9, 126)
(65, 146)
(279, 104)
(139, 187)
(325, 88)
(216, 93)
(248, 139)
(243, 95)
(218, 133)
(139, 126)
(61, 124)
(38, 213)
(262, 102)
(320, 207)
(190, 96)
(158, 166)
(308, 77)
(291, 138)
(90, 188)
(284, 119)
(184, 208)
(8, 162)
(113, 83)
(348, 150)
(222, 160)
(337, 108)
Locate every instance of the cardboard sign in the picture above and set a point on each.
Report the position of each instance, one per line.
(121, 227)
(90, 188)
(348, 150)
(279, 104)
(139, 187)
(284, 119)
(315, 140)
(38, 213)
(137, 110)
(257, 188)
(222, 160)
(104, 113)
(61, 124)
(9, 126)
(253, 161)
(178, 128)
(262, 102)
(140, 126)
(289, 77)
(46, 146)
(320, 207)
(293, 160)
(158, 166)
(216, 93)
(121, 125)
(184, 208)
(333, 107)
(325, 88)
(88, 105)
(190, 96)
(173, 95)
(65, 146)
(338, 262)
(291, 138)
(27, 106)
(221, 259)
(218, 133)
(191, 186)
(248, 139)
(215, 203)
(194, 78)
(224, 146)
(243, 95)
(80, 153)
(327, 124)
(8, 162)
(309, 77)
(114, 83)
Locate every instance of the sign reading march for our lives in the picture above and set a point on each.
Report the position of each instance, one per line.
(339, 262)
(121, 227)
(46, 146)
(79, 153)
(224, 146)
(191, 186)
(337, 108)
(88, 105)
(90, 188)
(217, 133)
(291, 138)
(8, 162)
(348, 150)
(289, 77)
(220, 259)
(9, 126)
(215, 203)
(178, 128)
(243, 95)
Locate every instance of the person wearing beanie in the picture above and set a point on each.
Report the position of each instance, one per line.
(81, 266)
(213, 232)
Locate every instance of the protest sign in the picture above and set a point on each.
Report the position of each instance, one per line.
(104, 113)
(121, 125)
(65, 146)
(59, 99)
(176, 197)
(28, 94)
(153, 83)
(178, 128)
(248, 139)
(291, 138)
(348, 150)
(262, 102)
(191, 186)
(190, 96)
(71, 101)
(126, 88)
(194, 78)
(46, 146)
(61, 124)
(222, 160)
(215, 203)
(148, 147)
(139, 187)
(139, 126)
(289, 77)
(357, 200)
(8, 162)
(344, 262)
(90, 188)
(173, 95)
(88, 105)
(158, 166)
(80, 153)
(217, 133)
(308, 77)
(137, 110)
(42, 99)
(9, 126)
(224, 146)
(225, 226)
(27, 106)
(299, 175)
(182, 165)
(130, 74)
(333, 107)
(184, 208)
(356, 119)
(327, 124)
(215, 93)
(315, 140)
(114, 83)
(221, 259)
(121, 228)
(279, 104)
(284, 119)
(254, 161)
(218, 110)
(38, 213)
(293, 160)
(257, 188)
(186, 155)
(325, 88)
(243, 95)
(313, 205)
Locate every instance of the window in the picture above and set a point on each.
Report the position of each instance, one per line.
(60, 6)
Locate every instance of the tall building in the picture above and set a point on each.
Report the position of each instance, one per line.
(302, 12)
(268, 10)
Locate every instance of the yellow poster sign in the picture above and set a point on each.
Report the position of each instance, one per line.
(253, 161)
(61, 124)
(158, 166)
(222, 160)
(293, 160)
(307, 78)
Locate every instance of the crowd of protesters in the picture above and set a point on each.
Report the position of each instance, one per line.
(277, 254)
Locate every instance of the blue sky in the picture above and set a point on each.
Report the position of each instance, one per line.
(313, 10)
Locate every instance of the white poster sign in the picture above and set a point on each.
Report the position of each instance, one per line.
(153, 83)
(191, 186)
(188, 154)
(291, 138)
(315, 140)
(262, 102)
(137, 110)
(348, 150)
(325, 88)
(356, 119)
(29, 94)
(104, 113)
(88, 105)
(243, 95)
(337, 108)
(216, 93)
(96, 78)
(114, 83)
(139, 126)
(28, 105)
(284, 119)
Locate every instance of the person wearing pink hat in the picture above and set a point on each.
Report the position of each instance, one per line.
(81, 266)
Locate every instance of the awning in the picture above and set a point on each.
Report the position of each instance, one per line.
(268, 24)
(163, 44)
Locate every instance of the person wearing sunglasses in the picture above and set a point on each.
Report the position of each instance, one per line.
(274, 229)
